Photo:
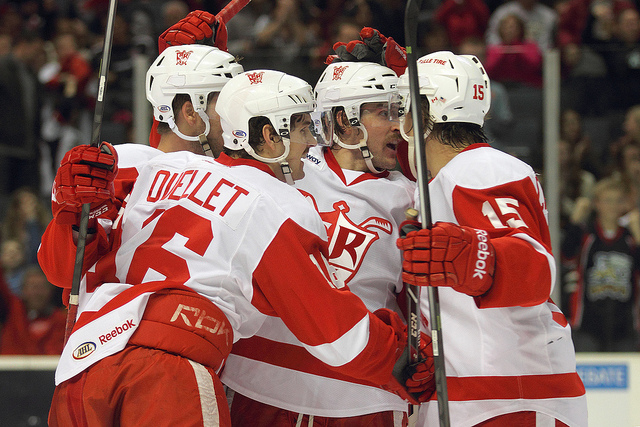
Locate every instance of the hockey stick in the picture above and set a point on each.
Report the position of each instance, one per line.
(230, 10)
(412, 13)
(95, 141)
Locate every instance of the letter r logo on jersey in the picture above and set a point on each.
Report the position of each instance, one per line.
(348, 241)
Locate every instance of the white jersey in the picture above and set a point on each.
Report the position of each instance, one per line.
(362, 213)
(224, 229)
(509, 350)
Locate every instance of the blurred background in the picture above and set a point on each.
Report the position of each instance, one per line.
(565, 98)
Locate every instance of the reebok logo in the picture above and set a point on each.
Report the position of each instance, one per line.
(117, 331)
(483, 252)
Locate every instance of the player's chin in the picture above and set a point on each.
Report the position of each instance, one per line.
(385, 162)
(297, 172)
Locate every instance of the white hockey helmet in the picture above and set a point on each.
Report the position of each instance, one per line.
(456, 86)
(195, 70)
(349, 85)
(269, 93)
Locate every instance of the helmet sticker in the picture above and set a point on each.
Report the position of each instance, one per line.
(238, 133)
(255, 78)
(338, 72)
(182, 56)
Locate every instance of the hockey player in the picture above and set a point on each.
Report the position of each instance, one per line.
(509, 356)
(362, 204)
(183, 84)
(197, 264)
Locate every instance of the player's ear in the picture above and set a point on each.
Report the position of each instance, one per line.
(270, 139)
(189, 113)
(342, 122)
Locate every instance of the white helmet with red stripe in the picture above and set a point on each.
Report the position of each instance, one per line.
(195, 70)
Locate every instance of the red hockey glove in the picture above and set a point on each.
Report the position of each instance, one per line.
(393, 55)
(198, 26)
(414, 383)
(85, 175)
(374, 47)
(449, 255)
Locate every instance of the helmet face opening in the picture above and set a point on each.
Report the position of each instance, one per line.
(385, 110)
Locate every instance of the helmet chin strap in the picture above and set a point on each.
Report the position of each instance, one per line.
(202, 138)
(281, 159)
(286, 170)
(411, 149)
(362, 146)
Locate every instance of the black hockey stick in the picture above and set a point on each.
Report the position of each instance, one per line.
(95, 141)
(411, 16)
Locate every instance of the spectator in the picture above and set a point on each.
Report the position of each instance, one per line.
(433, 38)
(630, 134)
(285, 28)
(540, 22)
(576, 194)
(600, 23)
(287, 36)
(514, 59)
(575, 182)
(33, 323)
(583, 69)
(604, 307)
(25, 221)
(463, 19)
(622, 57)
(12, 260)
(572, 131)
(20, 118)
(172, 12)
(118, 102)
(65, 80)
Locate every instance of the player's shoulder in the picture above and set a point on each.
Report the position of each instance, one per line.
(134, 155)
(397, 178)
(483, 166)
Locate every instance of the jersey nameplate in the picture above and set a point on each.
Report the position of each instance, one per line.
(228, 200)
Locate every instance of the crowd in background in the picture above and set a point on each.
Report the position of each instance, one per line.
(49, 58)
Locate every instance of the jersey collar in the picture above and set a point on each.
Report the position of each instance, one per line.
(335, 167)
(229, 161)
(475, 145)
